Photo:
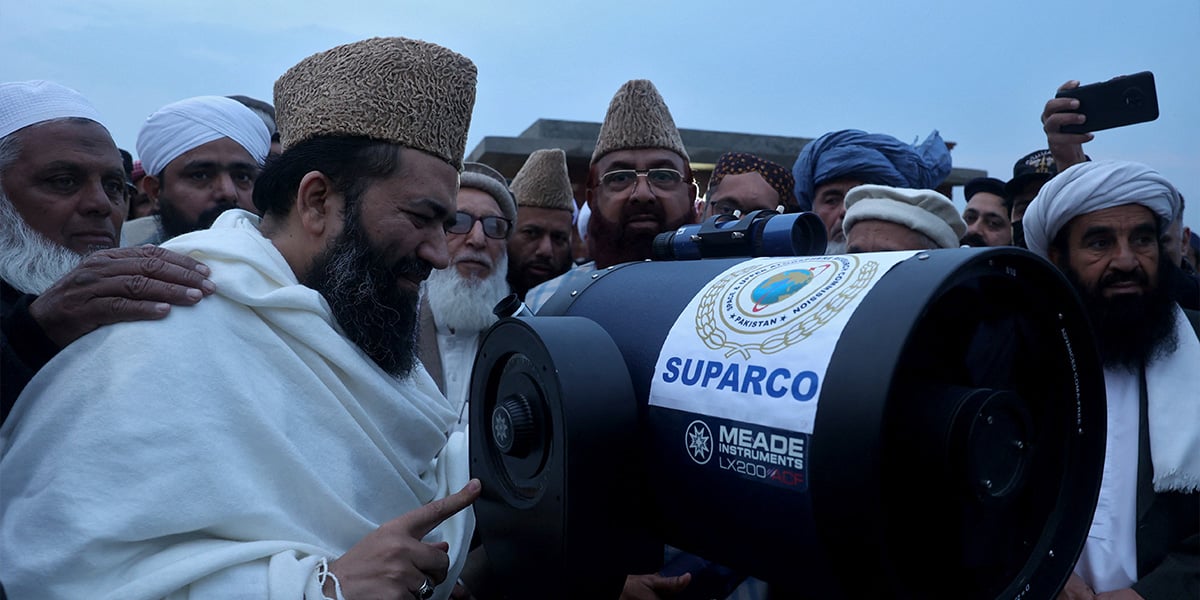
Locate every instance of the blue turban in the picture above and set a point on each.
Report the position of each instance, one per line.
(871, 158)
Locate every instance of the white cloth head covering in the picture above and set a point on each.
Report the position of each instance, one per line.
(181, 126)
(24, 103)
(924, 211)
(1092, 186)
(582, 216)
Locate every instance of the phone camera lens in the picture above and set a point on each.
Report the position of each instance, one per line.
(1134, 98)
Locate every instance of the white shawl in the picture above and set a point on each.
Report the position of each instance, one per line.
(221, 452)
(1173, 413)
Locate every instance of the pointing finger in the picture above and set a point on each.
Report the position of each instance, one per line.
(421, 521)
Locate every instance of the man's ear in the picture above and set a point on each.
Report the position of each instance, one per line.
(1054, 255)
(319, 206)
(151, 186)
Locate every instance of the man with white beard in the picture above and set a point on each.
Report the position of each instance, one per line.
(459, 299)
(62, 198)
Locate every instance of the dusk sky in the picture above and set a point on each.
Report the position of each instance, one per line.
(979, 74)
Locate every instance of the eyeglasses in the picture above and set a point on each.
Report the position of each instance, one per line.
(664, 180)
(496, 228)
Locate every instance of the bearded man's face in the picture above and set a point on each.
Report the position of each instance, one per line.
(393, 235)
(1114, 259)
(628, 214)
(360, 285)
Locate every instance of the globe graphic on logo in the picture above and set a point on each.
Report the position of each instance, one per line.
(779, 287)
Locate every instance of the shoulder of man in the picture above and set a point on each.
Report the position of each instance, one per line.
(537, 297)
(1193, 317)
(143, 230)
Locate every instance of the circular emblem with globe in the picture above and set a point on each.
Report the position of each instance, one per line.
(770, 305)
(779, 287)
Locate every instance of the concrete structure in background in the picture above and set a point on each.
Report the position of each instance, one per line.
(578, 138)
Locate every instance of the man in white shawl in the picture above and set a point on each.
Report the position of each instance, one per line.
(201, 156)
(1102, 223)
(278, 440)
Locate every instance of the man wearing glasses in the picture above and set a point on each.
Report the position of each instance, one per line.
(459, 299)
(640, 184)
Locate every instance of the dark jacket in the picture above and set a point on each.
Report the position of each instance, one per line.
(1168, 524)
(24, 347)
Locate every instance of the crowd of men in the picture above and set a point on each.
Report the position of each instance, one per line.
(239, 366)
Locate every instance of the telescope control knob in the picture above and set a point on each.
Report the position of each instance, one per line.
(513, 426)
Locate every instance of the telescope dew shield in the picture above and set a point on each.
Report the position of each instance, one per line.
(938, 432)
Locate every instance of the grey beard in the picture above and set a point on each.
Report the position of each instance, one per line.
(464, 305)
(28, 261)
(832, 248)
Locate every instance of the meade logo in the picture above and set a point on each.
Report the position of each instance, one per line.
(699, 442)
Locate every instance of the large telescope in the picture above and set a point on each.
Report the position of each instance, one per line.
(893, 425)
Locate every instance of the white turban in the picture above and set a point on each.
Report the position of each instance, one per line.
(582, 216)
(1092, 186)
(24, 103)
(924, 211)
(181, 126)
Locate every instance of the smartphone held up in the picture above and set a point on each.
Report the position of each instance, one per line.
(1120, 101)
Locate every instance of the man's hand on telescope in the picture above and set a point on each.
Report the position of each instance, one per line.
(654, 586)
(392, 561)
(1076, 589)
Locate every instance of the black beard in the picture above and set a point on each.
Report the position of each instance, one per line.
(611, 244)
(174, 223)
(1131, 330)
(974, 240)
(521, 281)
(361, 289)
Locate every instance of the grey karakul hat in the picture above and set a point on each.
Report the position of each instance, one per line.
(638, 118)
(407, 92)
(487, 179)
(543, 182)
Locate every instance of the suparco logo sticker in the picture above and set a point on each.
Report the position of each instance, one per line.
(753, 344)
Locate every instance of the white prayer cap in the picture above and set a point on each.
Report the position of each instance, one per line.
(24, 103)
(581, 221)
(924, 211)
(181, 126)
(1092, 186)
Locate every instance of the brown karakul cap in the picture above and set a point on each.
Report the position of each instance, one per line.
(543, 182)
(397, 90)
(638, 118)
